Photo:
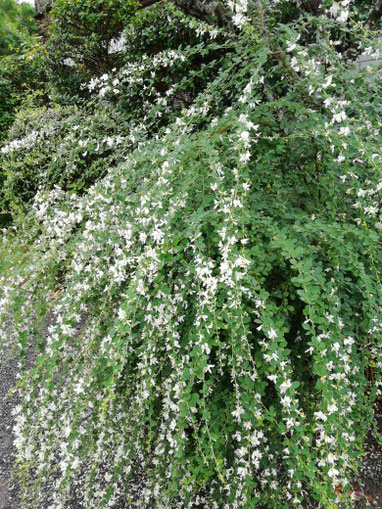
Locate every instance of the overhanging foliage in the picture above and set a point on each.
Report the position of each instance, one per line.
(227, 267)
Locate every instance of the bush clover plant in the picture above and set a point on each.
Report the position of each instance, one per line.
(224, 260)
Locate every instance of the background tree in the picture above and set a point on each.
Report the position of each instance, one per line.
(16, 28)
(16, 25)
(20, 69)
(83, 38)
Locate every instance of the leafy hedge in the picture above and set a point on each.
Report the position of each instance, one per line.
(73, 144)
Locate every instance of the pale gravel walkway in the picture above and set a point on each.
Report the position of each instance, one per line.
(8, 374)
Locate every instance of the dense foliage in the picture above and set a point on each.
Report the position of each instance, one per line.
(204, 287)
(16, 25)
(84, 38)
(16, 72)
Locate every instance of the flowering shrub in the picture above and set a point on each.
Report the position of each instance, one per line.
(72, 145)
(228, 273)
(22, 81)
(66, 146)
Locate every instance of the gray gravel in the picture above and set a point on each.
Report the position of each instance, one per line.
(8, 374)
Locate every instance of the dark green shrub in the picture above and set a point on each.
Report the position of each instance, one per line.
(16, 72)
(82, 39)
(67, 146)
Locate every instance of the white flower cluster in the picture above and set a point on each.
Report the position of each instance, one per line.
(30, 140)
(340, 11)
(239, 9)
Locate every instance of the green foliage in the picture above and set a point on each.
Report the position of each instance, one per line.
(16, 73)
(82, 38)
(66, 146)
(16, 25)
(20, 76)
(156, 29)
(223, 259)
(22, 82)
(100, 132)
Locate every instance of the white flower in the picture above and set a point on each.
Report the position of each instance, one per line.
(291, 46)
(68, 330)
(344, 14)
(339, 117)
(286, 401)
(79, 387)
(331, 458)
(327, 82)
(320, 415)
(245, 157)
(103, 91)
(333, 472)
(69, 62)
(158, 236)
(237, 413)
(285, 386)
(121, 314)
(294, 64)
(239, 19)
(345, 131)
(209, 367)
(332, 408)
(205, 348)
(245, 135)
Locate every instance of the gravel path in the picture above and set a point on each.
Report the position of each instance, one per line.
(8, 373)
(370, 475)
